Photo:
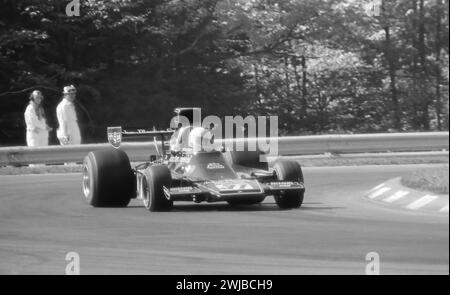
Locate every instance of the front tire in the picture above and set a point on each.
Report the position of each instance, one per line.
(289, 171)
(108, 180)
(155, 178)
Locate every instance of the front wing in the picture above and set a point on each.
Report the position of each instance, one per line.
(222, 190)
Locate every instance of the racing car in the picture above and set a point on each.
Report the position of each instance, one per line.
(236, 177)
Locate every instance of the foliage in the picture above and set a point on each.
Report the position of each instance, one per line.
(323, 66)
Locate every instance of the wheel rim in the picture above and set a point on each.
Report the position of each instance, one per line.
(282, 194)
(86, 181)
(145, 193)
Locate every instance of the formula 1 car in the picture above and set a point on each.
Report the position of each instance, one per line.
(236, 177)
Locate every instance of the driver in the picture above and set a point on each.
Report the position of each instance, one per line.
(179, 140)
(188, 138)
(200, 140)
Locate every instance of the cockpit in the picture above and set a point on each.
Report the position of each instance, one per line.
(190, 137)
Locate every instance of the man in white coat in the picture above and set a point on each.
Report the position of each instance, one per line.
(36, 123)
(68, 132)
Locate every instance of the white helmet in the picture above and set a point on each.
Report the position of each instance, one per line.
(180, 139)
(200, 139)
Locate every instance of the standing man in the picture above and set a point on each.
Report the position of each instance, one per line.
(68, 132)
(37, 128)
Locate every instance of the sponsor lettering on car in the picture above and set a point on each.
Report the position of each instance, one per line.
(214, 166)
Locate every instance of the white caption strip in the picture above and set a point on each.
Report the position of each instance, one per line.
(397, 196)
(422, 202)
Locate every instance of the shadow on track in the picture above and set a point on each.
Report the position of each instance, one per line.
(237, 208)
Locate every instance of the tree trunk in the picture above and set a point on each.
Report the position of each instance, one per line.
(286, 76)
(304, 80)
(415, 85)
(438, 105)
(393, 80)
(388, 52)
(69, 51)
(258, 91)
(302, 99)
(422, 54)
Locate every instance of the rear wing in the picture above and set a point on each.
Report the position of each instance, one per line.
(145, 135)
(117, 135)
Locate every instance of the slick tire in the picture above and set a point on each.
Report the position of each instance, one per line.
(108, 180)
(156, 177)
(289, 171)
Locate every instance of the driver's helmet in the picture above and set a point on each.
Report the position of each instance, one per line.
(179, 140)
(200, 139)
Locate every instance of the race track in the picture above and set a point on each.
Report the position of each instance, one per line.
(43, 217)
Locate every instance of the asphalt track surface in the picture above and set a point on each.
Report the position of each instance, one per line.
(43, 217)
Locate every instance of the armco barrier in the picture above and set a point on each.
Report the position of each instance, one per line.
(291, 145)
(364, 143)
(62, 154)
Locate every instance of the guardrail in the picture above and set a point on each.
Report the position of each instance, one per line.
(364, 143)
(287, 146)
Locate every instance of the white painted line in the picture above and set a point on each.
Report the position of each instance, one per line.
(422, 202)
(379, 192)
(444, 209)
(397, 196)
(377, 187)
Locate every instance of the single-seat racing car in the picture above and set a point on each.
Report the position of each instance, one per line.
(187, 174)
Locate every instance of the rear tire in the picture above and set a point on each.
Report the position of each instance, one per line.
(152, 188)
(108, 180)
(289, 171)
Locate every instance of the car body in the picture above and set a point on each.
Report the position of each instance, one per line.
(236, 177)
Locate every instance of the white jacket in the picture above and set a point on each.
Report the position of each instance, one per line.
(37, 133)
(68, 123)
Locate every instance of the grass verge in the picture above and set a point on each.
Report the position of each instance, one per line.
(430, 179)
(397, 160)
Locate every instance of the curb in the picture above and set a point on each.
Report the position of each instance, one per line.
(393, 193)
